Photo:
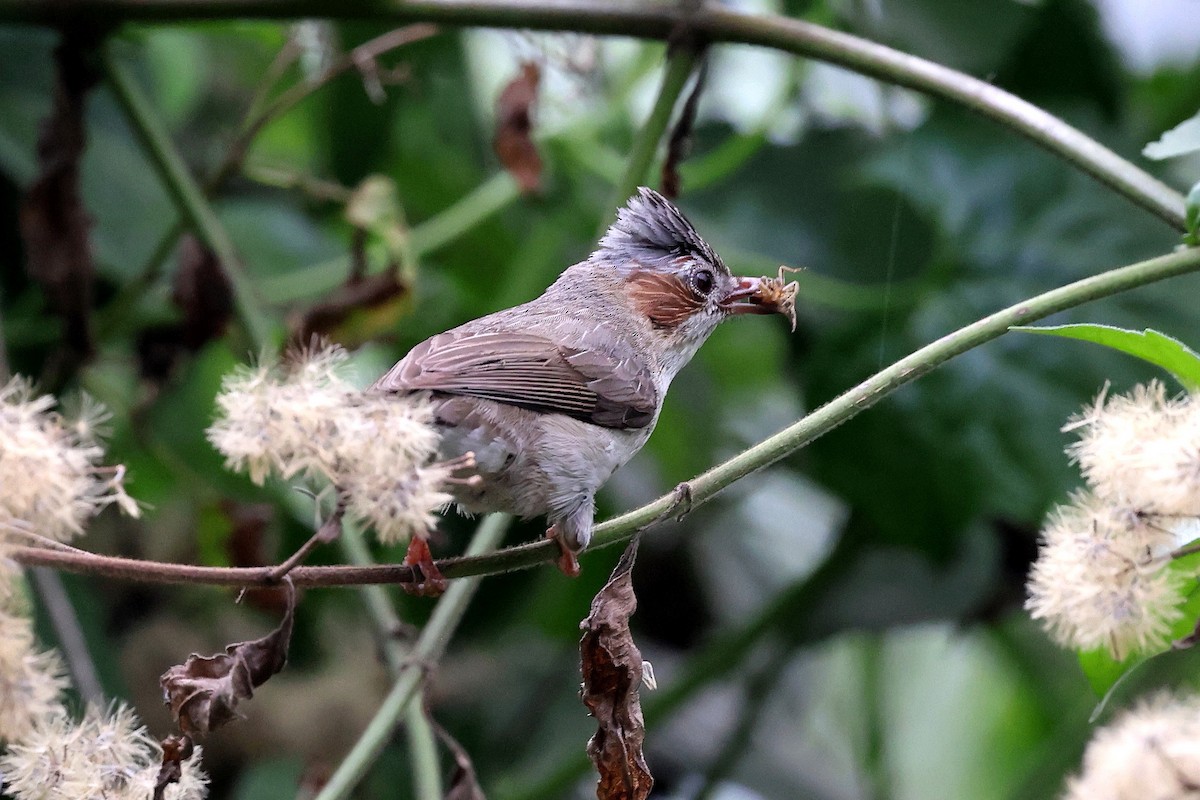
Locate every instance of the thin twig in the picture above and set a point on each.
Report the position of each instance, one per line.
(428, 649)
(328, 531)
(69, 633)
(188, 196)
(710, 23)
(680, 64)
(290, 98)
(758, 689)
(427, 778)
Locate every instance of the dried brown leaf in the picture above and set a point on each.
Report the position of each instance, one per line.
(514, 127)
(175, 750)
(204, 692)
(612, 674)
(54, 224)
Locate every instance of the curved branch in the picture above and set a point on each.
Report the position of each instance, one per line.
(700, 489)
(654, 21)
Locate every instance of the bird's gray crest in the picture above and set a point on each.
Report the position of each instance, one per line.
(652, 231)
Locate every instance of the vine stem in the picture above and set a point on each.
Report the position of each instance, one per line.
(189, 197)
(425, 653)
(681, 62)
(422, 746)
(699, 489)
(708, 23)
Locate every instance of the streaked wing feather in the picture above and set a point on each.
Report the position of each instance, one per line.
(530, 371)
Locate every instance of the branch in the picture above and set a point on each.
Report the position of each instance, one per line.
(681, 61)
(425, 653)
(423, 754)
(654, 21)
(700, 489)
(188, 196)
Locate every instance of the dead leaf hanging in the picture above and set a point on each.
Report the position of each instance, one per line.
(514, 129)
(612, 674)
(204, 692)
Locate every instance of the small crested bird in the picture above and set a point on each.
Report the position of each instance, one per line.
(553, 395)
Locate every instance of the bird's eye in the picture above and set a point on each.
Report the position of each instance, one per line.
(703, 281)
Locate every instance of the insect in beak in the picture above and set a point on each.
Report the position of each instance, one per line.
(764, 295)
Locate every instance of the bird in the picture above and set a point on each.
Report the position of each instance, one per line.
(550, 397)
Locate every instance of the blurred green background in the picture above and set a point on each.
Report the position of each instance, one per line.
(847, 624)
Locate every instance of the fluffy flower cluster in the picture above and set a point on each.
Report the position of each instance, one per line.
(31, 681)
(306, 420)
(1142, 450)
(107, 755)
(50, 467)
(1101, 577)
(49, 756)
(1150, 751)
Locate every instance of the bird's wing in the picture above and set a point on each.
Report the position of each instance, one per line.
(530, 371)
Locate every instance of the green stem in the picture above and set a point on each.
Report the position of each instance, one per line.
(188, 196)
(758, 689)
(425, 653)
(486, 199)
(422, 745)
(662, 21)
(681, 62)
(422, 753)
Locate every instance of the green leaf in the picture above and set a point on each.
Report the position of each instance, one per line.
(1184, 138)
(1149, 345)
(1193, 217)
(1103, 671)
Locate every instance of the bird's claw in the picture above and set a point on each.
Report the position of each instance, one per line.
(681, 501)
(429, 581)
(567, 562)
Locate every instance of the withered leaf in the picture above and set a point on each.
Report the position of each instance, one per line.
(463, 783)
(175, 750)
(612, 673)
(54, 224)
(204, 692)
(513, 142)
(679, 145)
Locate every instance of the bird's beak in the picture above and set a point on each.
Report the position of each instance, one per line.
(748, 298)
(764, 296)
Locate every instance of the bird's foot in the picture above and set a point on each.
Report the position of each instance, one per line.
(429, 581)
(681, 502)
(566, 562)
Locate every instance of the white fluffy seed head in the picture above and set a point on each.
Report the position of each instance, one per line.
(103, 755)
(31, 681)
(1151, 751)
(50, 467)
(1101, 578)
(307, 421)
(1142, 450)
